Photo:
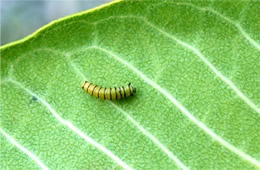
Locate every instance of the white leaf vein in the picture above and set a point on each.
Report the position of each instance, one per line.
(160, 89)
(199, 54)
(188, 114)
(221, 16)
(136, 124)
(72, 127)
(23, 149)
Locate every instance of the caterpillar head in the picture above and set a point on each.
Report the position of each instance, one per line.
(133, 88)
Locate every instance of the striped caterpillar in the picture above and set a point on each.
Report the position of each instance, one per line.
(115, 93)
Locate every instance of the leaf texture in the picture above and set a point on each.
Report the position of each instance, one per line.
(196, 69)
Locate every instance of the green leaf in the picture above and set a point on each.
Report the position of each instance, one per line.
(196, 70)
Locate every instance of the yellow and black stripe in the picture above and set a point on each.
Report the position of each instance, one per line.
(115, 93)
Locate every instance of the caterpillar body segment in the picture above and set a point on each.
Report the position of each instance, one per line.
(114, 93)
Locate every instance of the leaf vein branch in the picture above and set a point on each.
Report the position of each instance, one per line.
(187, 113)
(222, 16)
(136, 124)
(23, 149)
(72, 127)
(201, 57)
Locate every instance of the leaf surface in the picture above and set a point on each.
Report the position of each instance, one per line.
(196, 70)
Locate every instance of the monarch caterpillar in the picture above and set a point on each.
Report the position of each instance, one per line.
(115, 93)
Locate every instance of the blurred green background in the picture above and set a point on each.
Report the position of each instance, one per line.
(20, 18)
